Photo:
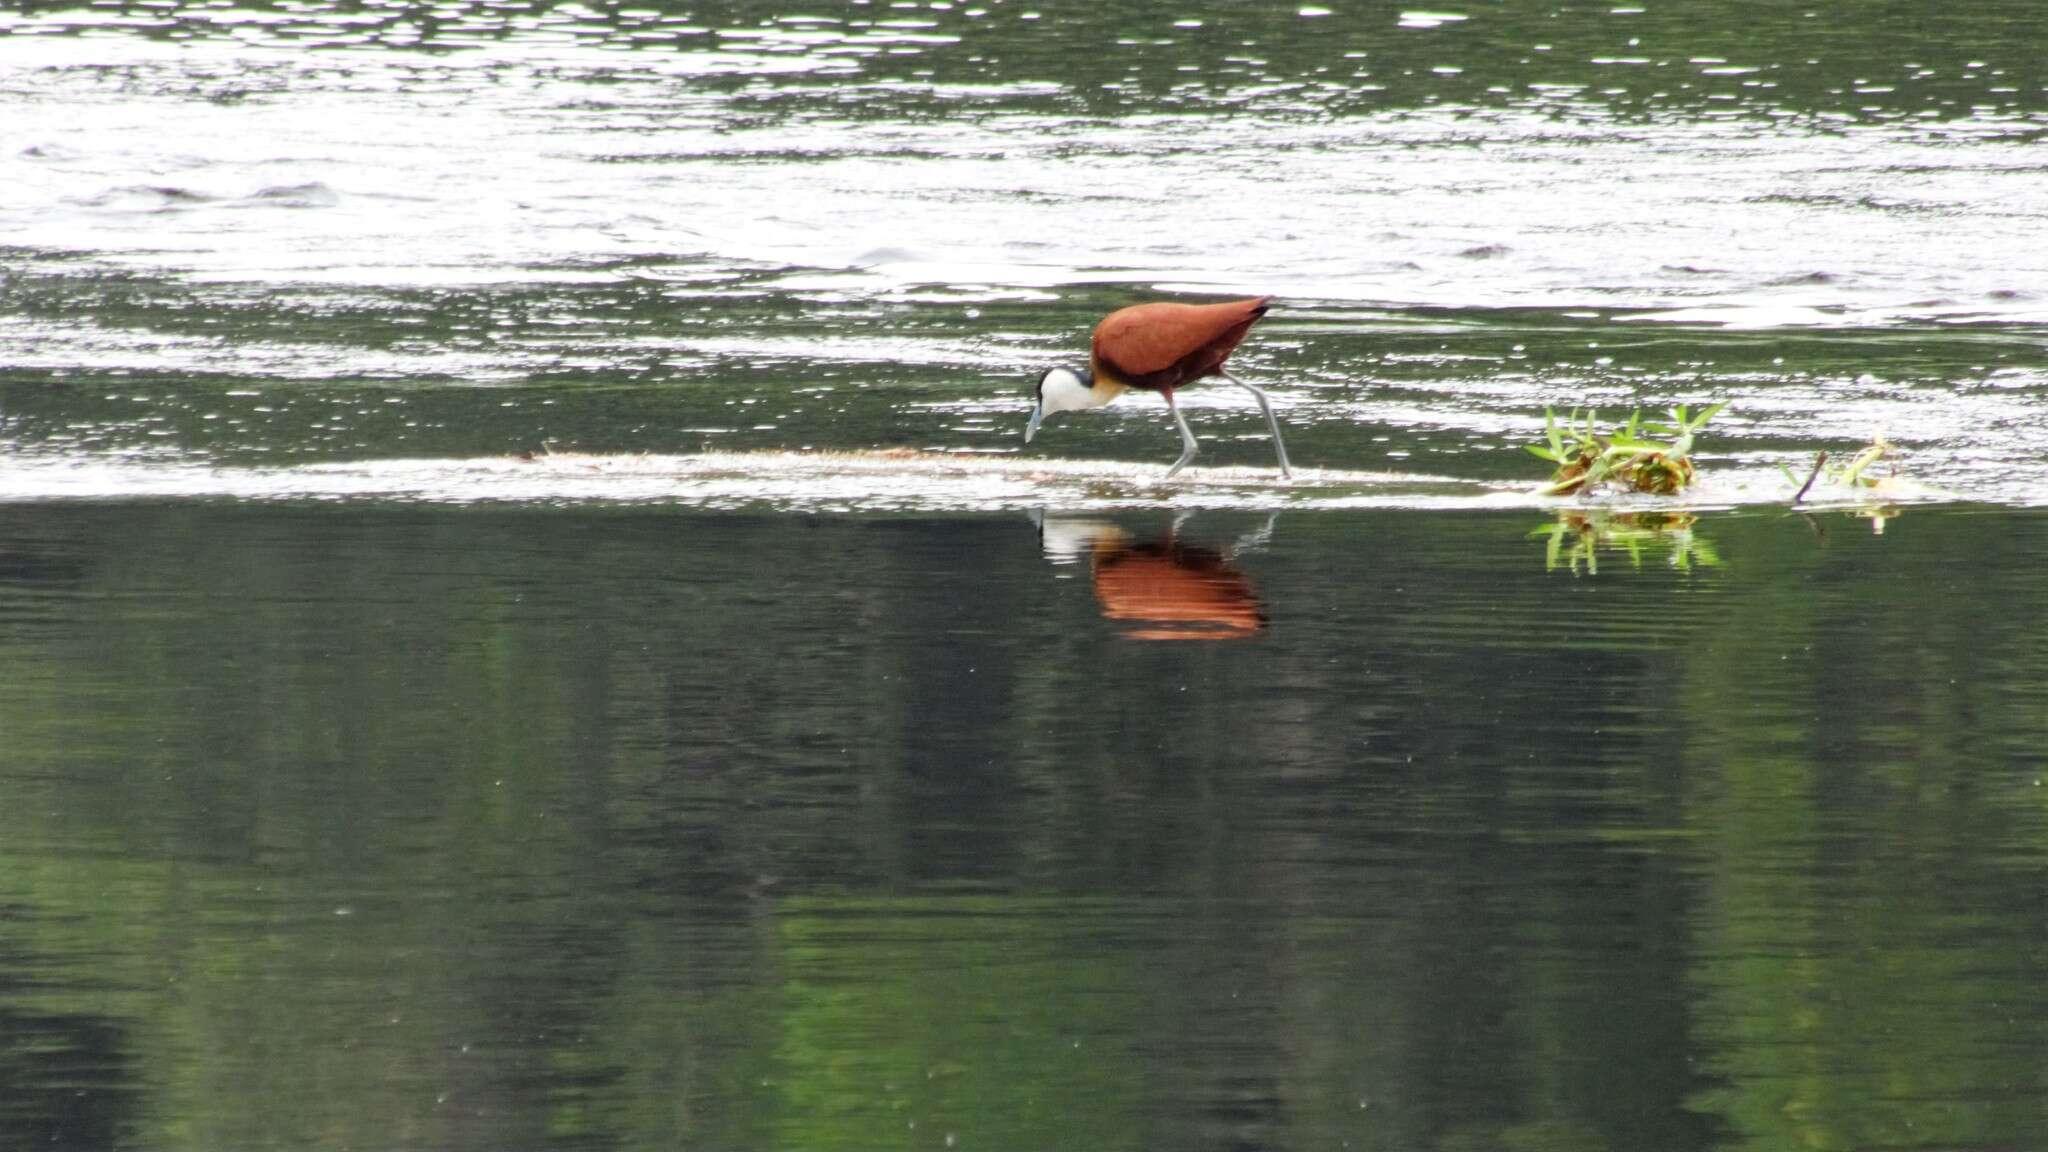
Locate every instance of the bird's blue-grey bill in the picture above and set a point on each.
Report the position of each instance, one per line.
(1031, 429)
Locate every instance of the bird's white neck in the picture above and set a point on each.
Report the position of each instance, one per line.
(1064, 390)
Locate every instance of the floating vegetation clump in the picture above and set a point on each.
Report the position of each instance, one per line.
(1577, 538)
(1625, 457)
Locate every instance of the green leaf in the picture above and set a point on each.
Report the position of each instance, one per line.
(1542, 453)
(1556, 437)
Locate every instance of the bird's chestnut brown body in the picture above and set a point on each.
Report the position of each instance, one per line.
(1160, 347)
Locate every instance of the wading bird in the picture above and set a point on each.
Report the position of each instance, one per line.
(1157, 348)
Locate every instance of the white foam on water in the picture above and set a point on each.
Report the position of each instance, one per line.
(854, 482)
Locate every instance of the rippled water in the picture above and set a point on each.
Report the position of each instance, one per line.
(530, 622)
(314, 231)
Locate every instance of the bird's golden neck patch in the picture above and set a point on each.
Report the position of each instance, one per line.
(1105, 384)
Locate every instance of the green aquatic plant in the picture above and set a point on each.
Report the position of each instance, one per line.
(1853, 474)
(1867, 490)
(1576, 539)
(1625, 457)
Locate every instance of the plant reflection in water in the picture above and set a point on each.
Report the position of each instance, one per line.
(1575, 540)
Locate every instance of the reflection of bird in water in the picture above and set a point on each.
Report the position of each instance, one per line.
(1157, 348)
(1161, 588)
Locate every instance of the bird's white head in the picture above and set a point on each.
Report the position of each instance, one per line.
(1061, 390)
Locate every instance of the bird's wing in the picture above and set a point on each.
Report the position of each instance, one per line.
(1148, 339)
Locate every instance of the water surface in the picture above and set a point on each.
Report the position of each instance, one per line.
(529, 622)
(636, 828)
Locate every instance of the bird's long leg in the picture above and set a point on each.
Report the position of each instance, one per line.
(1279, 446)
(1187, 437)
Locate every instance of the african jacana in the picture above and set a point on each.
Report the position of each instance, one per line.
(1157, 348)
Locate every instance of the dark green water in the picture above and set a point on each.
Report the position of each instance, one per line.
(364, 827)
(526, 621)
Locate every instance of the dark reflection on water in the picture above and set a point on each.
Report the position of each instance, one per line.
(613, 828)
(66, 1077)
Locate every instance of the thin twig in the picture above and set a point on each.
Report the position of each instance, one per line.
(1810, 477)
